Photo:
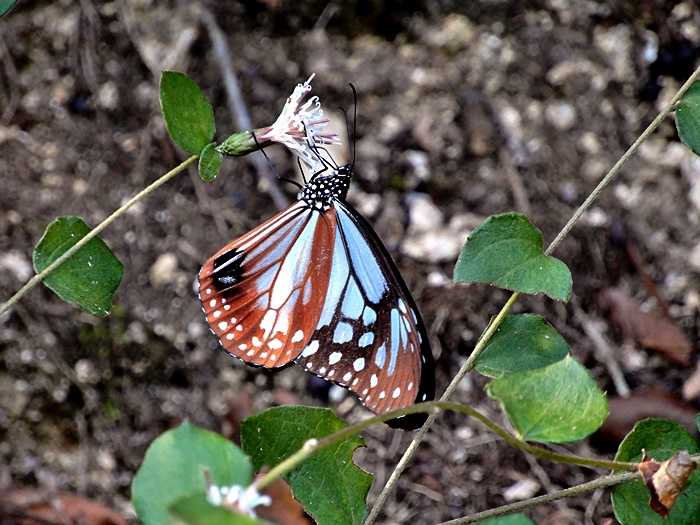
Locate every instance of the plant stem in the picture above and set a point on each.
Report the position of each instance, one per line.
(602, 482)
(610, 175)
(483, 340)
(590, 486)
(433, 407)
(94, 232)
(415, 442)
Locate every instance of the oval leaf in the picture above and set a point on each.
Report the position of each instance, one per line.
(539, 402)
(89, 278)
(188, 115)
(506, 251)
(688, 118)
(196, 510)
(513, 519)
(210, 162)
(6, 6)
(660, 439)
(174, 467)
(522, 342)
(329, 485)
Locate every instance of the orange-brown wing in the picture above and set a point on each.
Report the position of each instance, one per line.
(262, 293)
(370, 337)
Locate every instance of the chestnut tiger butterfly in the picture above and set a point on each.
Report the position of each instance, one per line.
(315, 285)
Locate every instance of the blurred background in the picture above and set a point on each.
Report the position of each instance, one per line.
(466, 109)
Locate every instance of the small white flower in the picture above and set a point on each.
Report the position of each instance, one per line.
(237, 498)
(301, 125)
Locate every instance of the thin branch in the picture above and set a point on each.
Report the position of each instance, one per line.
(583, 488)
(625, 157)
(237, 105)
(605, 481)
(433, 408)
(95, 232)
(483, 340)
(604, 351)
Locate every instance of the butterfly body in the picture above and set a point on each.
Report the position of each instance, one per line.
(315, 285)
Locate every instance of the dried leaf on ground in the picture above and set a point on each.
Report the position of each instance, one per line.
(648, 329)
(643, 403)
(284, 510)
(37, 507)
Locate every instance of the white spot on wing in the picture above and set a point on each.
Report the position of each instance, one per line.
(342, 333)
(366, 339)
(368, 316)
(334, 357)
(298, 336)
(358, 364)
(310, 349)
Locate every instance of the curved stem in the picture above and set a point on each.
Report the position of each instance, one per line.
(605, 481)
(433, 407)
(481, 344)
(95, 232)
(590, 486)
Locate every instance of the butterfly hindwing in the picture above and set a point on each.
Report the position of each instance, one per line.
(262, 293)
(369, 337)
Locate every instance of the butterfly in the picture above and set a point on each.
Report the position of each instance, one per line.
(315, 285)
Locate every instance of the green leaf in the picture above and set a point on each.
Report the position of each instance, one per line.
(522, 342)
(660, 439)
(513, 519)
(210, 162)
(506, 251)
(90, 277)
(196, 510)
(6, 6)
(540, 402)
(174, 467)
(329, 485)
(688, 118)
(188, 115)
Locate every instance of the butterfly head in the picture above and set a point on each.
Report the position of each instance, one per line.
(322, 190)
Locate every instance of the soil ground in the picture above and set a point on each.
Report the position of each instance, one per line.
(466, 110)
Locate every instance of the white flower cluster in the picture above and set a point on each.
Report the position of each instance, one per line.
(300, 126)
(237, 498)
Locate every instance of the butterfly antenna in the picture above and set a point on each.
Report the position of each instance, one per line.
(347, 128)
(271, 164)
(332, 160)
(301, 169)
(314, 150)
(354, 124)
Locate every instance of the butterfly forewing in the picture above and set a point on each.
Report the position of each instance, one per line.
(262, 293)
(369, 337)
